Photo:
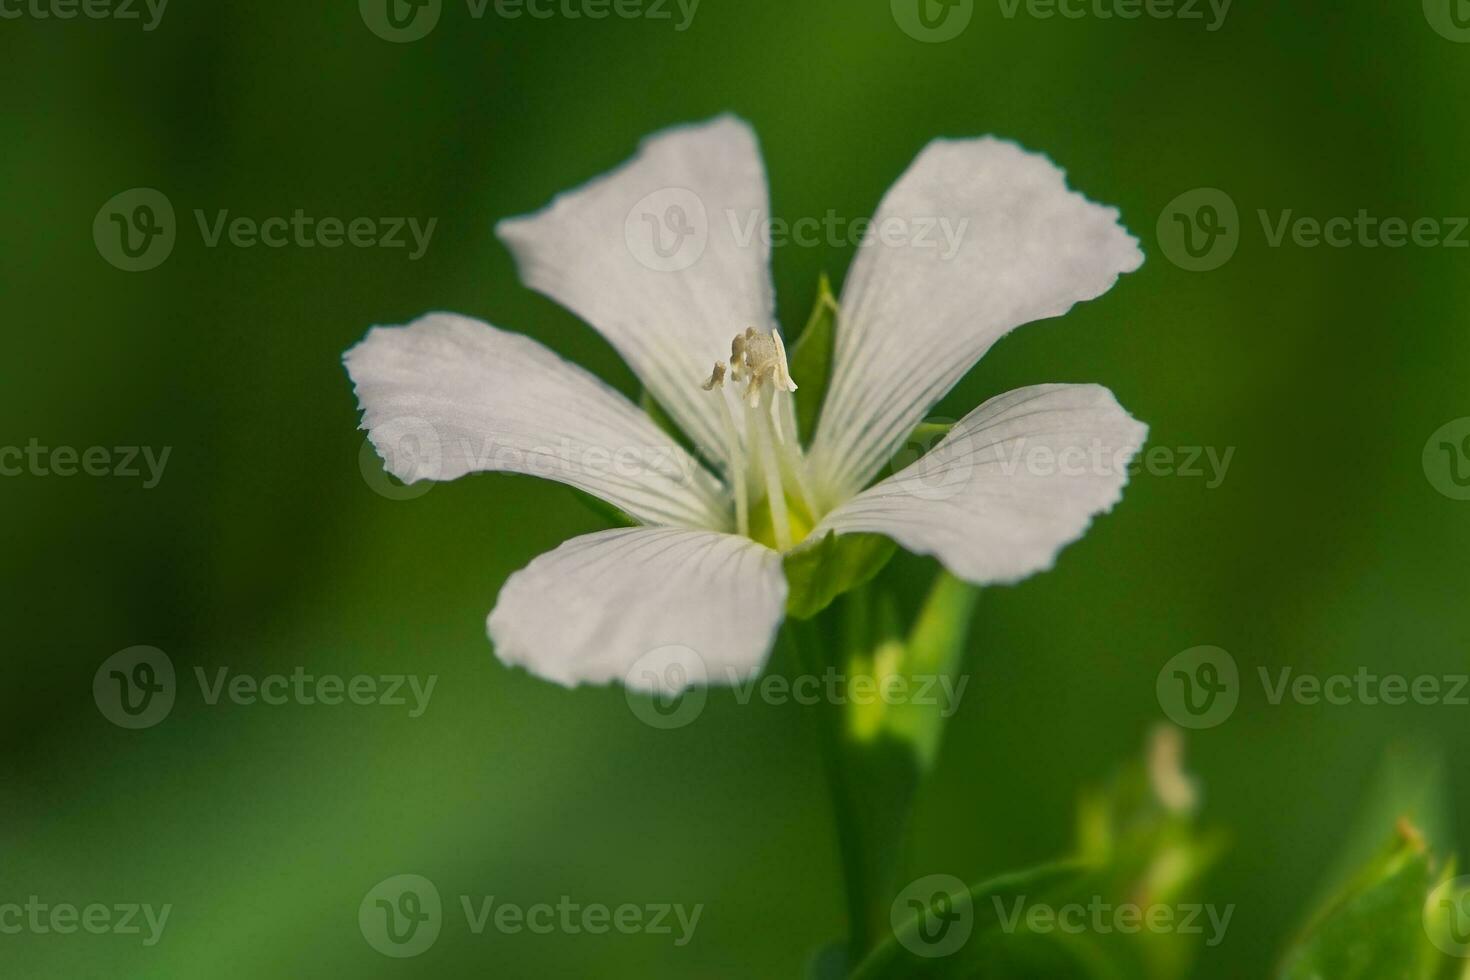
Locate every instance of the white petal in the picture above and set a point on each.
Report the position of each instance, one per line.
(593, 609)
(670, 314)
(1012, 483)
(448, 395)
(915, 318)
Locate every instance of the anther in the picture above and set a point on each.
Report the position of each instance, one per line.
(716, 378)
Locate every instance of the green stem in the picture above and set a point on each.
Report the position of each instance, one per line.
(869, 807)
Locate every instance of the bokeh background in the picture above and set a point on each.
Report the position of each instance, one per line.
(264, 547)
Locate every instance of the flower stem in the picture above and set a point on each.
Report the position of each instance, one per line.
(869, 807)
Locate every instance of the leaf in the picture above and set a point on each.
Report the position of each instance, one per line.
(1410, 785)
(1374, 929)
(1139, 847)
(811, 360)
(820, 570)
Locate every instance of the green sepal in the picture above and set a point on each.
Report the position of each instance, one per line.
(819, 570)
(811, 360)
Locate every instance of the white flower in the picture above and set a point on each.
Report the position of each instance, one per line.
(703, 570)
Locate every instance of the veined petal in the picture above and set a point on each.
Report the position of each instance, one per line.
(981, 237)
(595, 608)
(448, 395)
(1012, 483)
(667, 258)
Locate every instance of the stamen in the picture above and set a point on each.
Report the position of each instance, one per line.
(732, 449)
(759, 360)
(716, 378)
(759, 429)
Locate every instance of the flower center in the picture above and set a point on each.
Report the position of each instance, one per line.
(769, 456)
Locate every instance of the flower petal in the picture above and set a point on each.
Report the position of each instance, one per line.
(448, 395)
(1010, 244)
(593, 609)
(1012, 483)
(665, 257)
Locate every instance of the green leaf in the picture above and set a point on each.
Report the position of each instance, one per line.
(1409, 785)
(820, 570)
(1375, 928)
(1139, 846)
(811, 360)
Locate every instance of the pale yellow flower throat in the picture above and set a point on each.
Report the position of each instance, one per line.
(770, 455)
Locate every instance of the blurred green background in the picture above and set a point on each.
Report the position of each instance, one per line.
(264, 548)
